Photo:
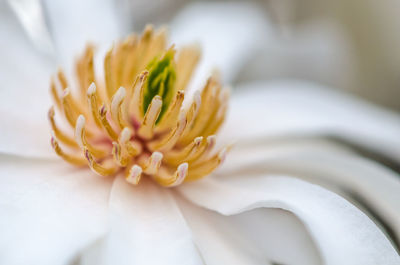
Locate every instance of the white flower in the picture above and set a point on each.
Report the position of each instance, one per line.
(254, 209)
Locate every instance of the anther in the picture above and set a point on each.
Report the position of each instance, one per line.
(134, 174)
(168, 179)
(116, 102)
(169, 140)
(146, 129)
(153, 163)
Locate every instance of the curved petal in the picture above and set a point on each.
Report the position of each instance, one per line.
(48, 212)
(365, 182)
(229, 34)
(343, 234)
(24, 97)
(263, 110)
(260, 236)
(146, 227)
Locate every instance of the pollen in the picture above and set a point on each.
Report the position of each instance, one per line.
(136, 119)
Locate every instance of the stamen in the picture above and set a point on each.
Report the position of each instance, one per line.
(186, 64)
(202, 148)
(70, 158)
(132, 148)
(168, 141)
(69, 111)
(130, 69)
(118, 61)
(116, 102)
(118, 156)
(178, 155)
(143, 46)
(108, 74)
(172, 113)
(137, 97)
(146, 129)
(55, 93)
(62, 79)
(153, 163)
(93, 105)
(220, 110)
(80, 138)
(149, 130)
(168, 179)
(134, 174)
(206, 167)
(202, 154)
(205, 112)
(104, 169)
(65, 139)
(192, 113)
(106, 125)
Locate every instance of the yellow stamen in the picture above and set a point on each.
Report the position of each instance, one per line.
(137, 97)
(69, 110)
(172, 113)
(206, 167)
(146, 128)
(80, 138)
(169, 140)
(175, 156)
(122, 160)
(104, 169)
(55, 94)
(203, 151)
(153, 163)
(62, 79)
(187, 61)
(171, 179)
(70, 158)
(106, 125)
(134, 174)
(93, 104)
(132, 148)
(108, 74)
(65, 139)
(116, 112)
(115, 131)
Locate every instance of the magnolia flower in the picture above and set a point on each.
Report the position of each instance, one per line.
(260, 206)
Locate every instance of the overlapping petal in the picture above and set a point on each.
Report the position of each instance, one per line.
(49, 211)
(261, 236)
(264, 110)
(343, 234)
(370, 185)
(146, 227)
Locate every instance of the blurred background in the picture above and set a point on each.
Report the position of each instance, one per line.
(351, 45)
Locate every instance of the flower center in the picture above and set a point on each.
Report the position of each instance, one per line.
(134, 121)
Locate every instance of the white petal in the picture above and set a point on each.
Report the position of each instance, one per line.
(74, 23)
(146, 227)
(24, 96)
(228, 34)
(48, 212)
(260, 236)
(343, 234)
(32, 18)
(361, 180)
(264, 110)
